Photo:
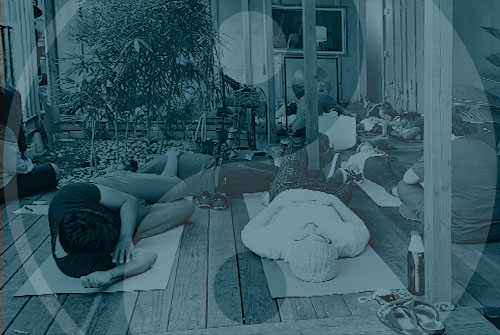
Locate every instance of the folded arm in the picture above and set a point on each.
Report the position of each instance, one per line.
(127, 204)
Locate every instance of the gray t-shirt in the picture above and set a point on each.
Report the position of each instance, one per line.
(475, 189)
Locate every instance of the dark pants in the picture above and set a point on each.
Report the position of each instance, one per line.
(41, 178)
(385, 171)
(246, 177)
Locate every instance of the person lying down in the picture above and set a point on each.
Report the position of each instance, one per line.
(270, 233)
(94, 229)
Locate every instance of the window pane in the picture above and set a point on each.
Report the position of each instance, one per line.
(288, 29)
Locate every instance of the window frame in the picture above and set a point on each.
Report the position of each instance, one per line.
(321, 54)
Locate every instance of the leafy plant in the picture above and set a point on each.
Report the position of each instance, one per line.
(494, 58)
(141, 57)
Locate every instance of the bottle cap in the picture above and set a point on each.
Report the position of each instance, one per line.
(416, 232)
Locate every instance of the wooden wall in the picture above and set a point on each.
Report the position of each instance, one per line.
(403, 67)
(18, 14)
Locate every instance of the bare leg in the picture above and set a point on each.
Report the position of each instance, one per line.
(143, 260)
(163, 217)
(150, 187)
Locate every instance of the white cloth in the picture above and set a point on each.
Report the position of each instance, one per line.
(11, 161)
(270, 233)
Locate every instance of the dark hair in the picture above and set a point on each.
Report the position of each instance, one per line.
(88, 231)
(7, 96)
(459, 126)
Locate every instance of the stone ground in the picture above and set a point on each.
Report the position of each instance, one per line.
(73, 156)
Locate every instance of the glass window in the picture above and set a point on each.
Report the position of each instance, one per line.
(330, 29)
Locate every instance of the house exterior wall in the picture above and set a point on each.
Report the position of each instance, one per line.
(18, 14)
(229, 21)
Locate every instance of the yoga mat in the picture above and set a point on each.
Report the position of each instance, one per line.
(48, 279)
(367, 272)
(33, 209)
(379, 195)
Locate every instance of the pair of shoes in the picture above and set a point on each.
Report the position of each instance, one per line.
(353, 177)
(205, 200)
(413, 317)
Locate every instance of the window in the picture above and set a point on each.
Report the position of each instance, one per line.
(330, 30)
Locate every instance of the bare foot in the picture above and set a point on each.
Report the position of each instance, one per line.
(96, 279)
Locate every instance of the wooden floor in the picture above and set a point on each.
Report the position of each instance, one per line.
(217, 286)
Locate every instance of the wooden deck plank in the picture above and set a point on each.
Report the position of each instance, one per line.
(491, 252)
(475, 285)
(472, 256)
(369, 308)
(113, 313)
(293, 309)
(23, 248)
(459, 322)
(258, 306)
(224, 300)
(190, 291)
(76, 314)
(19, 224)
(13, 305)
(11, 206)
(36, 317)
(330, 306)
(153, 307)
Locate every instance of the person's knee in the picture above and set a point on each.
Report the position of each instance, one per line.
(57, 171)
(403, 190)
(188, 209)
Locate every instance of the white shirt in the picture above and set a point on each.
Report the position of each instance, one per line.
(11, 161)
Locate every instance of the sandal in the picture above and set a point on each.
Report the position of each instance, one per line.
(427, 317)
(204, 200)
(220, 201)
(400, 319)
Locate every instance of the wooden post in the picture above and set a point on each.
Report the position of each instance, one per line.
(52, 61)
(438, 44)
(269, 49)
(311, 81)
(247, 40)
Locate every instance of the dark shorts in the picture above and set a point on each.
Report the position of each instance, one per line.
(246, 177)
(41, 178)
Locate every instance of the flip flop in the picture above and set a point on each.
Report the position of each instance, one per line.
(427, 317)
(220, 201)
(400, 319)
(204, 200)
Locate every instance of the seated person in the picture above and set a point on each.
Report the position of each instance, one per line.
(294, 172)
(20, 177)
(94, 227)
(475, 191)
(270, 232)
(325, 102)
(409, 127)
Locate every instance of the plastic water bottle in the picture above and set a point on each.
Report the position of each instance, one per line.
(416, 273)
